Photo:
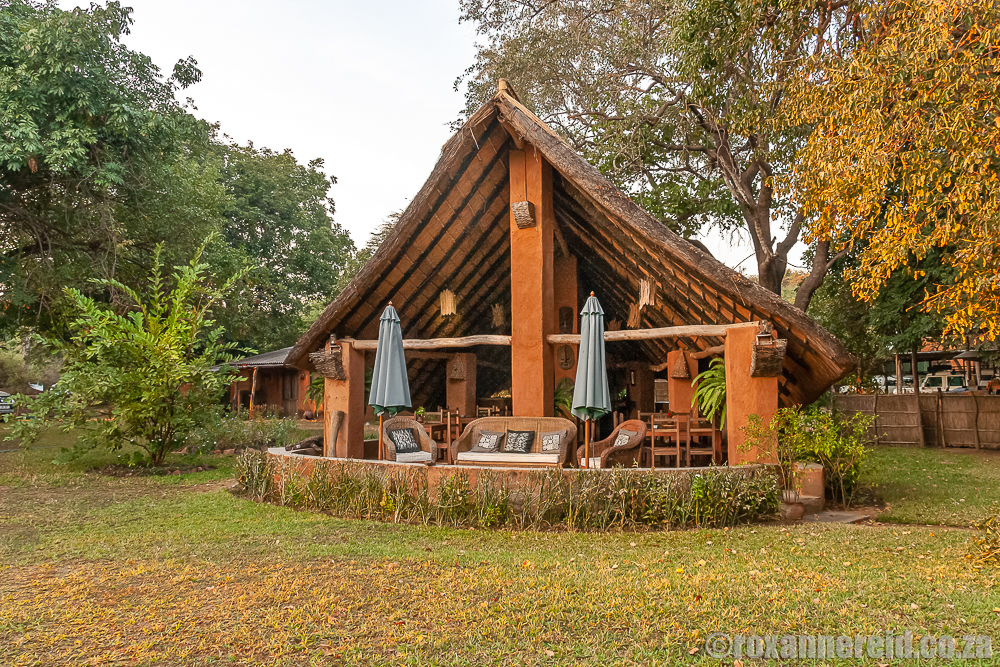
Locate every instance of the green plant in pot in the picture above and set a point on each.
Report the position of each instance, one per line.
(562, 398)
(784, 439)
(710, 391)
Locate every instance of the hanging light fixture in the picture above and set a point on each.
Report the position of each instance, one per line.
(447, 303)
(647, 292)
(499, 316)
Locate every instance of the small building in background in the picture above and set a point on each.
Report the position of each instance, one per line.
(279, 387)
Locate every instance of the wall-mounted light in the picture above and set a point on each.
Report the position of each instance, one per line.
(447, 303)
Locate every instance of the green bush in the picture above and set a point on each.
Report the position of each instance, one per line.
(235, 431)
(144, 372)
(815, 435)
(610, 500)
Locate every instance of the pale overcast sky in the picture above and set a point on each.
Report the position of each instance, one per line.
(367, 86)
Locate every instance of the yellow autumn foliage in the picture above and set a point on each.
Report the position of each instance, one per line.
(906, 149)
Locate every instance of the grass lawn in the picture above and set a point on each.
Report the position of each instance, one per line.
(177, 571)
(936, 486)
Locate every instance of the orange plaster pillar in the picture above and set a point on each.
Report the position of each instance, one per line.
(746, 395)
(347, 396)
(531, 293)
(680, 391)
(461, 392)
(565, 296)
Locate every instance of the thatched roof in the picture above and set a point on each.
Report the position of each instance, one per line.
(455, 235)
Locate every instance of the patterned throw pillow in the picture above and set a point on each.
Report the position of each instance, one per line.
(519, 442)
(487, 442)
(405, 440)
(551, 441)
(623, 437)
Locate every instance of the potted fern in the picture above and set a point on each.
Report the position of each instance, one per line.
(710, 391)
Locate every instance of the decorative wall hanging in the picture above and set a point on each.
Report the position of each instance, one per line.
(681, 369)
(647, 292)
(614, 325)
(566, 356)
(447, 303)
(566, 317)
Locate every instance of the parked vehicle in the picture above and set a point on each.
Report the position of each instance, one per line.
(6, 404)
(945, 381)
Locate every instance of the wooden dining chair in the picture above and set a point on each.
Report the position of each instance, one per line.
(706, 438)
(675, 432)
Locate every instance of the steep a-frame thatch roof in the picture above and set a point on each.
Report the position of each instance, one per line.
(455, 235)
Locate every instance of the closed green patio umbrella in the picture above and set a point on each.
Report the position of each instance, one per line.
(591, 397)
(390, 391)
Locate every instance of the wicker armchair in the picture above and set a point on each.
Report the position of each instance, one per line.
(604, 454)
(426, 444)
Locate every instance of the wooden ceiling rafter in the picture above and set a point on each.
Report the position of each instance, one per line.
(417, 264)
(473, 249)
(668, 292)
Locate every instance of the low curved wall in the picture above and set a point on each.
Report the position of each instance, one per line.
(487, 496)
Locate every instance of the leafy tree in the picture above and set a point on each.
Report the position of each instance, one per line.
(892, 323)
(279, 220)
(676, 100)
(903, 165)
(149, 370)
(98, 161)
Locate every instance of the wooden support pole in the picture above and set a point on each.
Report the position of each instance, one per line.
(586, 443)
(381, 451)
(693, 331)
(532, 288)
(975, 419)
(875, 418)
(899, 375)
(434, 343)
(253, 390)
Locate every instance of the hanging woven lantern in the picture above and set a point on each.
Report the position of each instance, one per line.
(447, 303)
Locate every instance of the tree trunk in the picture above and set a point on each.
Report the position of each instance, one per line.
(820, 267)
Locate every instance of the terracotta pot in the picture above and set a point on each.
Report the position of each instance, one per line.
(792, 511)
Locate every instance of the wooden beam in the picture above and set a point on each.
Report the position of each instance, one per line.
(693, 331)
(434, 343)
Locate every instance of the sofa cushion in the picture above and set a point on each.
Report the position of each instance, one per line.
(508, 458)
(413, 457)
(551, 441)
(623, 437)
(593, 462)
(405, 440)
(487, 441)
(518, 442)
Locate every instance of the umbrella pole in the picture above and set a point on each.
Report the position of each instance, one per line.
(380, 437)
(586, 444)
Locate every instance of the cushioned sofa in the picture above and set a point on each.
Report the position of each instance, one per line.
(504, 441)
(406, 441)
